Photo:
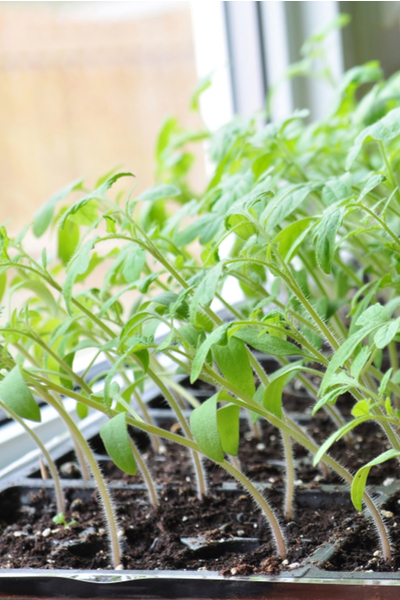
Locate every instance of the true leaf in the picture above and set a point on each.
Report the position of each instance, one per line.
(383, 130)
(42, 218)
(78, 266)
(290, 238)
(284, 203)
(327, 231)
(160, 192)
(386, 333)
(235, 366)
(269, 344)
(116, 441)
(216, 337)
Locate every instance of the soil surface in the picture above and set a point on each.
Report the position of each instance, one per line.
(223, 531)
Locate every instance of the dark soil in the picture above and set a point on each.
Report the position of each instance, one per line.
(231, 535)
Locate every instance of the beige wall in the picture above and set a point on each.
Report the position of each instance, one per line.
(79, 96)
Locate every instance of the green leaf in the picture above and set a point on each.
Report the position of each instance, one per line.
(217, 336)
(290, 238)
(258, 397)
(228, 428)
(361, 408)
(360, 361)
(235, 366)
(67, 241)
(204, 426)
(360, 478)
(269, 344)
(337, 189)
(201, 87)
(327, 231)
(92, 198)
(117, 443)
(160, 192)
(386, 333)
(284, 203)
(85, 214)
(373, 315)
(241, 226)
(17, 396)
(336, 435)
(272, 398)
(205, 292)
(78, 266)
(42, 218)
(343, 354)
(384, 130)
(372, 183)
(41, 291)
(384, 382)
(82, 410)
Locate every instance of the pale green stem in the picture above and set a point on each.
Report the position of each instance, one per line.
(200, 475)
(151, 488)
(49, 460)
(101, 485)
(262, 503)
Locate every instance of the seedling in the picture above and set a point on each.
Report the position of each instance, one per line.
(313, 216)
(61, 520)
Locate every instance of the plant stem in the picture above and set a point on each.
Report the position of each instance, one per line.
(150, 485)
(200, 475)
(104, 495)
(262, 503)
(49, 460)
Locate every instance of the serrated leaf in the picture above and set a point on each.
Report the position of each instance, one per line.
(337, 189)
(360, 478)
(78, 266)
(234, 363)
(204, 426)
(284, 203)
(383, 130)
(269, 344)
(373, 315)
(16, 395)
(361, 408)
(344, 352)
(116, 441)
(92, 198)
(42, 218)
(386, 333)
(327, 231)
(160, 192)
(228, 428)
(205, 292)
(372, 183)
(290, 238)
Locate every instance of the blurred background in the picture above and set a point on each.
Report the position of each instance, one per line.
(86, 86)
